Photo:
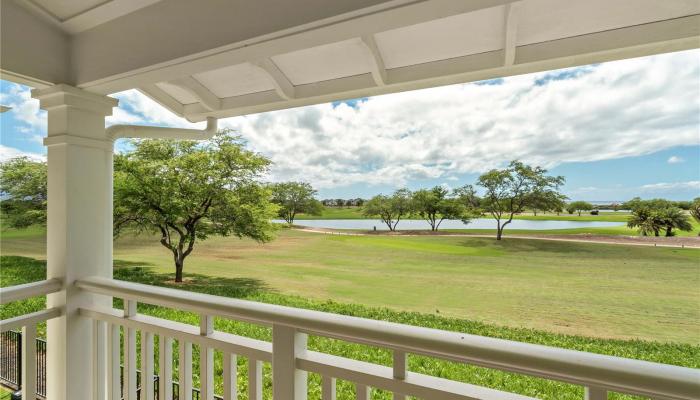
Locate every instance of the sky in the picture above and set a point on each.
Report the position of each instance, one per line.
(614, 130)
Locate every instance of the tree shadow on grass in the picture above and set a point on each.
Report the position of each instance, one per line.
(519, 245)
(218, 286)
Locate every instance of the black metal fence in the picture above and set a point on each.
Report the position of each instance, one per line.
(11, 362)
(11, 368)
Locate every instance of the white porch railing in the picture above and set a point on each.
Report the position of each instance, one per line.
(291, 360)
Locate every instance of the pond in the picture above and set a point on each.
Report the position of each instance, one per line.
(479, 223)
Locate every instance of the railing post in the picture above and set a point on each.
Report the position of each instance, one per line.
(100, 360)
(185, 370)
(29, 362)
(147, 370)
(79, 229)
(400, 366)
(206, 360)
(362, 392)
(254, 379)
(129, 353)
(328, 391)
(595, 393)
(288, 383)
(114, 364)
(230, 376)
(165, 368)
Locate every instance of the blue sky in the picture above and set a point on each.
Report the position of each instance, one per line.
(614, 130)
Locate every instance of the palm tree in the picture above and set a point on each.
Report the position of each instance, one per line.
(674, 218)
(645, 220)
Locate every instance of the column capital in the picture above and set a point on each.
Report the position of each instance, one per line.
(63, 95)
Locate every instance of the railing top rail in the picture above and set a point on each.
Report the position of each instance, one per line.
(613, 373)
(21, 292)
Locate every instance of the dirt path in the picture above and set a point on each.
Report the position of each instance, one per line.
(682, 241)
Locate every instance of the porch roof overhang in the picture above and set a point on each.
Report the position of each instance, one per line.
(228, 58)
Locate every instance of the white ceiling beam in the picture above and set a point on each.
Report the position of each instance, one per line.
(511, 33)
(198, 91)
(132, 63)
(648, 39)
(283, 86)
(375, 60)
(163, 98)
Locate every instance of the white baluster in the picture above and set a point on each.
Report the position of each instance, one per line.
(362, 392)
(254, 379)
(288, 383)
(147, 370)
(230, 374)
(206, 360)
(100, 360)
(29, 361)
(185, 371)
(595, 393)
(327, 388)
(400, 367)
(165, 368)
(130, 353)
(113, 356)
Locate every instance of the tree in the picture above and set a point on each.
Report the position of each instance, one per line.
(656, 215)
(695, 210)
(579, 207)
(389, 209)
(434, 205)
(187, 191)
(546, 200)
(294, 198)
(509, 191)
(24, 188)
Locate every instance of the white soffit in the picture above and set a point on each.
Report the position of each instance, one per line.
(545, 20)
(181, 95)
(442, 39)
(324, 63)
(74, 16)
(235, 80)
(205, 69)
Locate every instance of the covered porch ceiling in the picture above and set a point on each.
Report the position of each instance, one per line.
(226, 58)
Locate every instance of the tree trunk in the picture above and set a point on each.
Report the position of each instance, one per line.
(499, 231)
(669, 231)
(179, 264)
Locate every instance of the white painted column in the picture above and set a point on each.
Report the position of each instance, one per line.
(79, 231)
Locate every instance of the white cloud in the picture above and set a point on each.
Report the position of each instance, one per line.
(7, 153)
(24, 108)
(618, 109)
(612, 110)
(675, 160)
(671, 186)
(136, 108)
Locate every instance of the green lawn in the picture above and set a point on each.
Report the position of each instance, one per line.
(598, 298)
(607, 291)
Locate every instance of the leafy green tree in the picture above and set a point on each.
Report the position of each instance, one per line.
(186, 191)
(695, 210)
(511, 190)
(24, 188)
(579, 207)
(546, 200)
(390, 209)
(436, 205)
(294, 198)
